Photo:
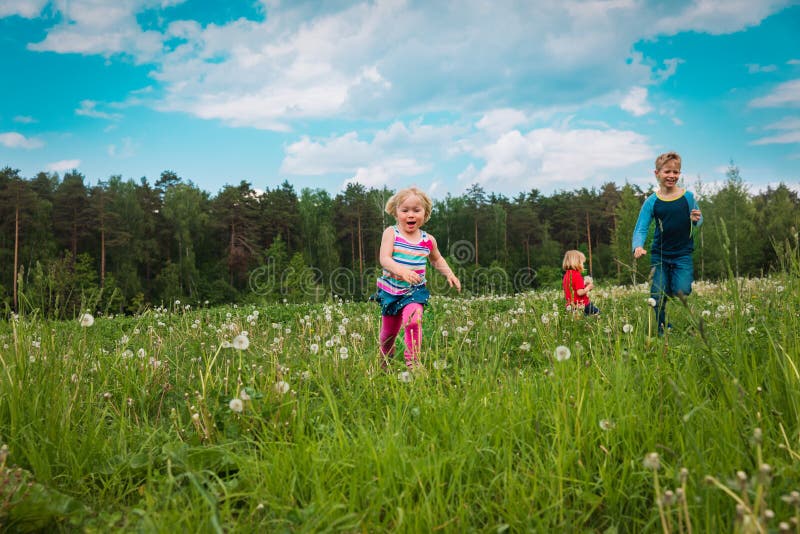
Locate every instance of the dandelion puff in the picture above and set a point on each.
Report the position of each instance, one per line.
(405, 376)
(236, 405)
(244, 395)
(226, 344)
(705, 313)
(314, 348)
(652, 302)
(525, 347)
(86, 320)
(606, 424)
(651, 461)
(562, 353)
(627, 328)
(343, 353)
(281, 387)
(440, 364)
(241, 342)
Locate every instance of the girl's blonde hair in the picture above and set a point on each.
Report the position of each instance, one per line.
(399, 197)
(573, 259)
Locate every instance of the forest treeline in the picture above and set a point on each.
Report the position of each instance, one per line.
(121, 245)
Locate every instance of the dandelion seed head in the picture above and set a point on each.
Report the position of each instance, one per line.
(652, 461)
(562, 353)
(281, 387)
(236, 405)
(627, 328)
(86, 320)
(241, 342)
(606, 424)
(343, 353)
(652, 302)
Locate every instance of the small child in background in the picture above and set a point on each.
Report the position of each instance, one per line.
(402, 292)
(576, 288)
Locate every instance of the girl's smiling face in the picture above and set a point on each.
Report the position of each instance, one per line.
(410, 214)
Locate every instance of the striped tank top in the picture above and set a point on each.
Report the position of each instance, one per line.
(411, 255)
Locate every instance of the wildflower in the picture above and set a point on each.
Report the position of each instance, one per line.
(652, 302)
(545, 319)
(405, 376)
(343, 353)
(236, 405)
(562, 353)
(525, 347)
(705, 313)
(244, 395)
(86, 320)
(751, 330)
(627, 328)
(606, 424)
(651, 461)
(240, 342)
(314, 348)
(281, 387)
(440, 364)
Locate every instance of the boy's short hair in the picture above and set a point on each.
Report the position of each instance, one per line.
(573, 259)
(665, 157)
(398, 198)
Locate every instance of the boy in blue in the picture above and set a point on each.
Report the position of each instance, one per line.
(676, 213)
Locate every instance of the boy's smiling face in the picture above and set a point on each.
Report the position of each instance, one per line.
(668, 175)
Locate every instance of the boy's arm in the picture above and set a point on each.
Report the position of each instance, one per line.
(643, 223)
(440, 264)
(387, 246)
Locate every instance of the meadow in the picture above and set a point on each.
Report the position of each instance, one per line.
(525, 417)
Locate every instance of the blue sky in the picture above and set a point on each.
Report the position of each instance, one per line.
(512, 95)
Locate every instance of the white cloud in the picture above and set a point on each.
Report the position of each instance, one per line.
(126, 149)
(786, 94)
(65, 165)
(89, 109)
(501, 120)
(17, 140)
(24, 8)
(383, 59)
(545, 157)
(102, 28)
(793, 62)
(787, 123)
(786, 138)
(25, 119)
(388, 151)
(753, 68)
(635, 102)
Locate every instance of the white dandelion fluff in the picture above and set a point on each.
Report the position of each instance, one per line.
(562, 353)
(525, 347)
(236, 405)
(405, 376)
(241, 342)
(343, 353)
(314, 348)
(627, 328)
(440, 364)
(652, 302)
(281, 387)
(606, 425)
(244, 395)
(86, 320)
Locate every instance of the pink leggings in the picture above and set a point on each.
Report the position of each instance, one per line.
(411, 319)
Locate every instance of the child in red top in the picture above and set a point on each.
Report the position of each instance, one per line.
(576, 292)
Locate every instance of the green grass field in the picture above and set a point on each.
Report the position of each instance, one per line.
(133, 423)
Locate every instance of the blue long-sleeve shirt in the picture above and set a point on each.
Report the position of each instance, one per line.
(673, 236)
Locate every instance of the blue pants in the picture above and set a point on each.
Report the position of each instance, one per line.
(671, 277)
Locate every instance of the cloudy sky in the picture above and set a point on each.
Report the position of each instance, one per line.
(513, 95)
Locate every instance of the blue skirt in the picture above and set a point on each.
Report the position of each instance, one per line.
(394, 304)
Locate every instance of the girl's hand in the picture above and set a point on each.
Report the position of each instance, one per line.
(695, 215)
(453, 280)
(588, 287)
(407, 275)
(639, 252)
